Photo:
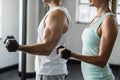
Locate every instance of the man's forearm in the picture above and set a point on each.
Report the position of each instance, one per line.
(38, 49)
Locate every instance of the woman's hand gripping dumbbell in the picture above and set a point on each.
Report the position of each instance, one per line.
(63, 52)
(11, 44)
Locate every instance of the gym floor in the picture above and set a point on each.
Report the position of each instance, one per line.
(73, 68)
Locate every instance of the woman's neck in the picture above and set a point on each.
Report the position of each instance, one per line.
(102, 10)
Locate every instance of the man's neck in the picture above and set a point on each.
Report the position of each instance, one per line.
(52, 4)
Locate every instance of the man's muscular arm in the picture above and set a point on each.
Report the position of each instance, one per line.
(54, 28)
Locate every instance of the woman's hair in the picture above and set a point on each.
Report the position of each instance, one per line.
(114, 6)
(56, 0)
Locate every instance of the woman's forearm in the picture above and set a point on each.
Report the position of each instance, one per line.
(95, 60)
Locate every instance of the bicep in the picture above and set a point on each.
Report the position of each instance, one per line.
(108, 37)
(53, 31)
(51, 35)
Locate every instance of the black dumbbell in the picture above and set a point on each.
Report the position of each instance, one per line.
(65, 53)
(59, 47)
(11, 44)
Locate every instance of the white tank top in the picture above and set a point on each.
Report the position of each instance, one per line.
(52, 64)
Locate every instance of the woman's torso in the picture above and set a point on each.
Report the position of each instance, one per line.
(91, 42)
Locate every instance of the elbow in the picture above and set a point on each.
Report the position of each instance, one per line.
(48, 51)
(47, 54)
(102, 63)
(47, 48)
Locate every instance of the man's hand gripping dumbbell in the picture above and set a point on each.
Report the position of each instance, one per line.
(11, 44)
(63, 52)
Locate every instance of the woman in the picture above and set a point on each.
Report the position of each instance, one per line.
(98, 40)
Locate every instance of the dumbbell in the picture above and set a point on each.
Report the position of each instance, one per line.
(65, 53)
(11, 44)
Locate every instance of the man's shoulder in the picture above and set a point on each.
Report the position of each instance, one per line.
(57, 12)
(57, 15)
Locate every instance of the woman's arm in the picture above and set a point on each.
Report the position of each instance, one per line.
(107, 40)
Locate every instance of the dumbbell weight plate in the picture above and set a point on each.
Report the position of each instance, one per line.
(12, 45)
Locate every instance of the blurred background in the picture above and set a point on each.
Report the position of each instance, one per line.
(17, 65)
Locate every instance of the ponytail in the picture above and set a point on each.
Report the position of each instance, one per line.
(114, 6)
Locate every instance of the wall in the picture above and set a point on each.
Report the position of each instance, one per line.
(34, 15)
(76, 43)
(10, 24)
(0, 18)
(76, 31)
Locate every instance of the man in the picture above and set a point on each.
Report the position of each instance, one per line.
(52, 32)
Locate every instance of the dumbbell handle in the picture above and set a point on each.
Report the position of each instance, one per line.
(9, 40)
(8, 37)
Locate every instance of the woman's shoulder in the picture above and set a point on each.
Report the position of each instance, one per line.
(110, 20)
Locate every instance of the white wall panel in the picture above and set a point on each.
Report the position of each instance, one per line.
(10, 26)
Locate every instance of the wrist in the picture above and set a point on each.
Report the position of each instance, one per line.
(72, 55)
(19, 47)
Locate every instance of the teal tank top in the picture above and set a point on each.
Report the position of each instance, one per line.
(91, 42)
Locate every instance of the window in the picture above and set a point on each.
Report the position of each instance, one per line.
(85, 14)
(118, 12)
(0, 19)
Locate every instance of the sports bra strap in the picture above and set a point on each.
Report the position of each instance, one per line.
(100, 20)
